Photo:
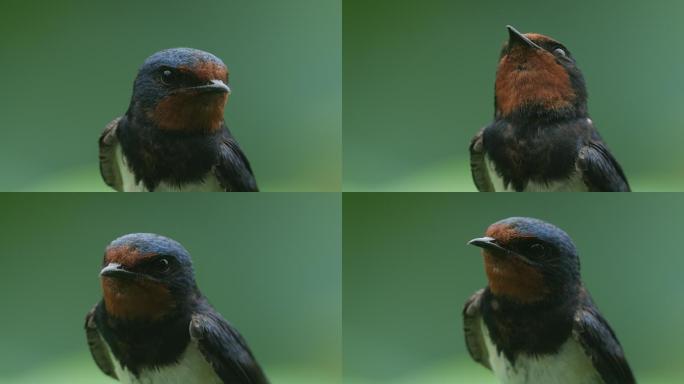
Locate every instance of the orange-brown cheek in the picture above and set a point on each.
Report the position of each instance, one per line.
(513, 278)
(190, 111)
(136, 300)
(543, 82)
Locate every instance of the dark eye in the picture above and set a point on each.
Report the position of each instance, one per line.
(560, 52)
(162, 264)
(537, 250)
(167, 76)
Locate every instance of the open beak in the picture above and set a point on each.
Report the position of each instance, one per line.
(517, 38)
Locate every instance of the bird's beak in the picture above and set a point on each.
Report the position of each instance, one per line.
(490, 244)
(115, 270)
(214, 86)
(517, 38)
(487, 243)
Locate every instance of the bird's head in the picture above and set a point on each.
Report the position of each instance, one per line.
(146, 277)
(538, 76)
(181, 89)
(529, 260)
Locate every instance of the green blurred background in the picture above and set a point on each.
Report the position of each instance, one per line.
(270, 263)
(68, 69)
(419, 83)
(407, 272)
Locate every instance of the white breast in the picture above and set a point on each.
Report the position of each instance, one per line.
(192, 368)
(569, 366)
(573, 184)
(209, 184)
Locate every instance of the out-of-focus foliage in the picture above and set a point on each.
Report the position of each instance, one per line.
(419, 84)
(68, 69)
(408, 272)
(270, 263)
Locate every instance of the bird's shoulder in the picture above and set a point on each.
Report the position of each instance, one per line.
(224, 348)
(109, 166)
(233, 170)
(96, 344)
(600, 170)
(472, 329)
(599, 342)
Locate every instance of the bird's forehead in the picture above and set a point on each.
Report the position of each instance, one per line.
(540, 39)
(151, 243)
(202, 64)
(519, 51)
(517, 227)
(126, 255)
(502, 232)
(206, 70)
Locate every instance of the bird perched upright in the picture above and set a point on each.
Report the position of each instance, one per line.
(154, 326)
(173, 136)
(535, 323)
(542, 139)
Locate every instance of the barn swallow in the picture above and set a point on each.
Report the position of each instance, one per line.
(153, 324)
(173, 136)
(535, 323)
(542, 139)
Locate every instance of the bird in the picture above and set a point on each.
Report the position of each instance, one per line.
(153, 324)
(542, 138)
(173, 137)
(535, 322)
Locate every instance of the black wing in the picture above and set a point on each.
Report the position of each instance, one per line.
(225, 349)
(600, 171)
(233, 171)
(478, 168)
(601, 345)
(109, 168)
(97, 347)
(472, 328)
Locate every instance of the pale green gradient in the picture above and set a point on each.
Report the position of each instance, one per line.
(68, 69)
(419, 84)
(269, 263)
(407, 272)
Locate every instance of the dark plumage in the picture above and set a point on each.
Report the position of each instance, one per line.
(542, 138)
(153, 319)
(535, 309)
(173, 136)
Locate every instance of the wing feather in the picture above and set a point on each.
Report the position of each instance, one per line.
(478, 167)
(225, 349)
(97, 346)
(600, 343)
(600, 171)
(472, 328)
(109, 167)
(234, 172)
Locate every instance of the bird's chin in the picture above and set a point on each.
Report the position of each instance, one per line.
(189, 111)
(136, 299)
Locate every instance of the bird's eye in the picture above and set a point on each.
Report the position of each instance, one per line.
(162, 264)
(167, 76)
(560, 52)
(537, 250)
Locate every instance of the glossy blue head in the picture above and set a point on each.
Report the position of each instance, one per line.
(181, 89)
(529, 259)
(146, 276)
